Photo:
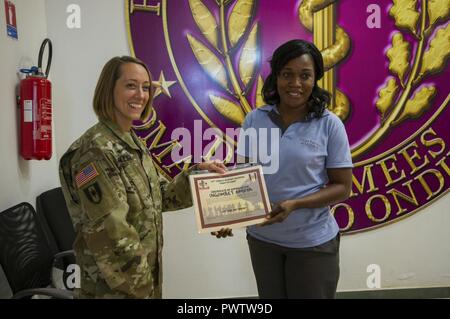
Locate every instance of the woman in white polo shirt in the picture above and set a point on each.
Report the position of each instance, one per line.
(295, 253)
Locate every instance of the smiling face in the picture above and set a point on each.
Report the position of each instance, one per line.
(295, 83)
(131, 94)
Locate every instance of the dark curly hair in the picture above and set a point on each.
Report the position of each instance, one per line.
(320, 98)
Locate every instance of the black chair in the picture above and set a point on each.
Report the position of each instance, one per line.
(51, 208)
(26, 255)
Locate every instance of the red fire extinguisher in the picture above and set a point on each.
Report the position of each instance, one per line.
(36, 110)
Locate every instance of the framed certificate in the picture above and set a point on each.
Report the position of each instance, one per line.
(235, 199)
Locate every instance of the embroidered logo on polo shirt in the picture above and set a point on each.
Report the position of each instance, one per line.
(310, 143)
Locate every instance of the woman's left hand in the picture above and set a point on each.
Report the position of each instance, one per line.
(213, 167)
(279, 212)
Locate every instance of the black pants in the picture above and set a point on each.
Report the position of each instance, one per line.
(297, 273)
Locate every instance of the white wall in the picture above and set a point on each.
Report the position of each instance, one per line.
(20, 180)
(412, 253)
(79, 55)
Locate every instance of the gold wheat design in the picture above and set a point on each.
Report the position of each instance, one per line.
(227, 37)
(401, 98)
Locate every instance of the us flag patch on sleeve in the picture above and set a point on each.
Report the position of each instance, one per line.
(86, 175)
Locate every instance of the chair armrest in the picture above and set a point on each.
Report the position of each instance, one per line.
(64, 254)
(58, 256)
(58, 271)
(51, 292)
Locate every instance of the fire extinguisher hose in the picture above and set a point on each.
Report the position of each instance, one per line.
(49, 58)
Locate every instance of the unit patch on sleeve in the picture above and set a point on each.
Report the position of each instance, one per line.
(93, 193)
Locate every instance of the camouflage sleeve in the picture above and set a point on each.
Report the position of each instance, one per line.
(65, 177)
(177, 193)
(114, 243)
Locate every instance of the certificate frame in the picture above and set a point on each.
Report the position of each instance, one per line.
(235, 199)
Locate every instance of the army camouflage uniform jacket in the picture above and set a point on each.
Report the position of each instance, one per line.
(115, 199)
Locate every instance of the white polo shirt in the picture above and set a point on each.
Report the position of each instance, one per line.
(304, 151)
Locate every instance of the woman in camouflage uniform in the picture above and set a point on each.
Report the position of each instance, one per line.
(114, 193)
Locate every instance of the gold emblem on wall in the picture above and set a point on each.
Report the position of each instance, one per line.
(318, 16)
(229, 36)
(402, 97)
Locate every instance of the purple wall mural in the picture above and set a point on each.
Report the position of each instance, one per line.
(388, 69)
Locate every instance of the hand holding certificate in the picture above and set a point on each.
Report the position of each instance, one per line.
(235, 199)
